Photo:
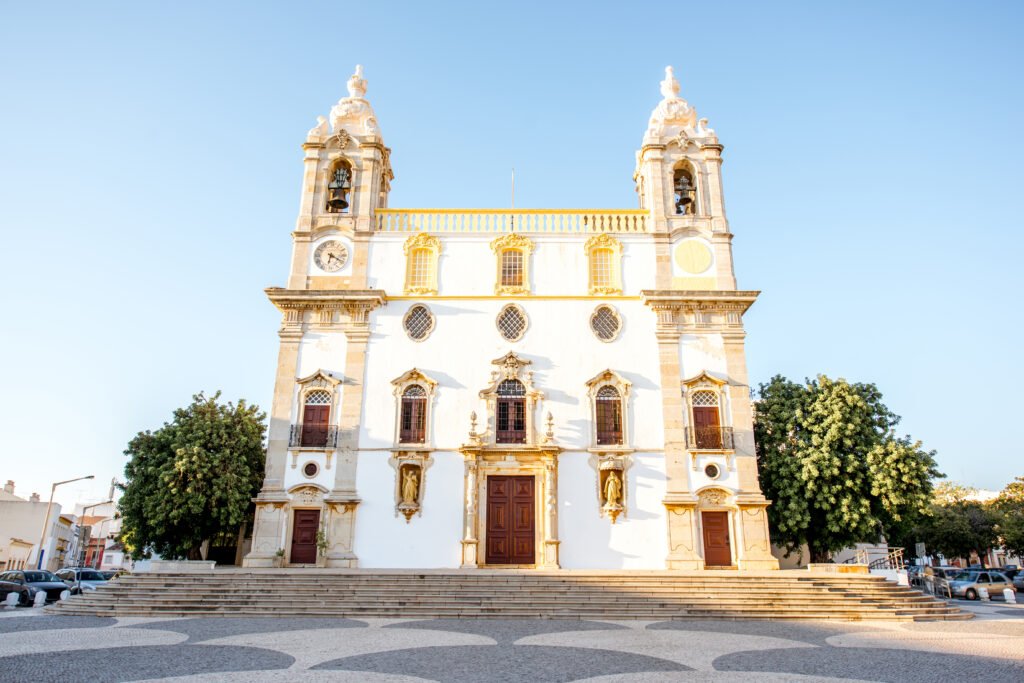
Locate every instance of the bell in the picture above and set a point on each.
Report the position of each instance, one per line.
(337, 190)
(336, 199)
(683, 191)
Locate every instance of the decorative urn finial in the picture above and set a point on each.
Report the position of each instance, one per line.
(356, 83)
(669, 86)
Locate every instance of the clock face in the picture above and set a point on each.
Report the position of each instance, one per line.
(331, 256)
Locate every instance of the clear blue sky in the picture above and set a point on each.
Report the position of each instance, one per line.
(150, 171)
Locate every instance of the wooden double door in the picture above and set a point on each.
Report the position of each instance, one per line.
(304, 527)
(511, 521)
(717, 549)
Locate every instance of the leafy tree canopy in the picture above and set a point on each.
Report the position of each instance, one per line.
(956, 524)
(830, 461)
(191, 479)
(1010, 525)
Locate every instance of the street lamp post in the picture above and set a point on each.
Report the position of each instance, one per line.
(46, 519)
(88, 507)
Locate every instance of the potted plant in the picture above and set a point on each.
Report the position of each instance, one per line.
(279, 558)
(321, 547)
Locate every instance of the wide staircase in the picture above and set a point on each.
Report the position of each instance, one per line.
(510, 594)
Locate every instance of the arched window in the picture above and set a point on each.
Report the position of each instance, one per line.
(339, 184)
(413, 427)
(707, 426)
(316, 416)
(511, 268)
(510, 418)
(608, 406)
(685, 190)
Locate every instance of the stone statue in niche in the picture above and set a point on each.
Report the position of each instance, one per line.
(409, 491)
(410, 486)
(612, 491)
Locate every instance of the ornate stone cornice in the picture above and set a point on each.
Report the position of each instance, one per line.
(698, 310)
(334, 299)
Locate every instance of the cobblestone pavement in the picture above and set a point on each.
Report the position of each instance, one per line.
(40, 648)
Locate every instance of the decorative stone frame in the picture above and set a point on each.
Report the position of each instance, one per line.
(593, 316)
(510, 366)
(431, 244)
(400, 384)
(306, 495)
(522, 312)
(519, 243)
(603, 463)
(716, 498)
(430, 330)
(416, 462)
(720, 387)
(604, 241)
(539, 462)
(609, 378)
(319, 380)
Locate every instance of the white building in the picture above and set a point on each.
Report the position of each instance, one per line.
(21, 523)
(539, 388)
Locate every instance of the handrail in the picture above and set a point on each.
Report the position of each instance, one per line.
(565, 221)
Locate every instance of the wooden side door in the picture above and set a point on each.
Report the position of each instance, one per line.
(510, 520)
(717, 550)
(314, 425)
(706, 427)
(304, 528)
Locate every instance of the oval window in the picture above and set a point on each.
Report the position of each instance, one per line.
(419, 322)
(511, 323)
(310, 469)
(605, 323)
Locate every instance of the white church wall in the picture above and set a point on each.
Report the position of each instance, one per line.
(321, 351)
(559, 342)
(385, 540)
(702, 352)
(638, 539)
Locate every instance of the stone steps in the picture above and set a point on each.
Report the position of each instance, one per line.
(510, 594)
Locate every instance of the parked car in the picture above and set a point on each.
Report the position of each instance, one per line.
(1018, 582)
(9, 585)
(34, 581)
(1010, 571)
(112, 574)
(936, 579)
(967, 584)
(81, 579)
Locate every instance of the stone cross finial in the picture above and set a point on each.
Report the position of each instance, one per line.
(356, 83)
(669, 86)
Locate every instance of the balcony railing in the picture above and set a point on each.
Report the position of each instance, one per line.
(313, 436)
(709, 438)
(558, 221)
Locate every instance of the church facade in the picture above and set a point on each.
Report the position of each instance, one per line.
(511, 388)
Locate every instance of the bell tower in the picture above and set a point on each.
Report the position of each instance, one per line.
(347, 177)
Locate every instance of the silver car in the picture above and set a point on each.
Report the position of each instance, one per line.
(968, 584)
(81, 579)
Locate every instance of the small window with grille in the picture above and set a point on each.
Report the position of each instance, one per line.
(419, 322)
(609, 417)
(512, 268)
(605, 323)
(511, 322)
(413, 425)
(510, 416)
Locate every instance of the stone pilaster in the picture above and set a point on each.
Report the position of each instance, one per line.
(679, 501)
(742, 413)
(715, 205)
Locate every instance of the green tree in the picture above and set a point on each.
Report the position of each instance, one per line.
(956, 525)
(191, 479)
(1010, 524)
(831, 463)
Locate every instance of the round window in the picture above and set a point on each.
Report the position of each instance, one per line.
(310, 469)
(511, 323)
(419, 322)
(712, 471)
(605, 323)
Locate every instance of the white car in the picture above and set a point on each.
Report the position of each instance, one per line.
(81, 579)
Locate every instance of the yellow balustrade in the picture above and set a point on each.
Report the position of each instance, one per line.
(512, 220)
